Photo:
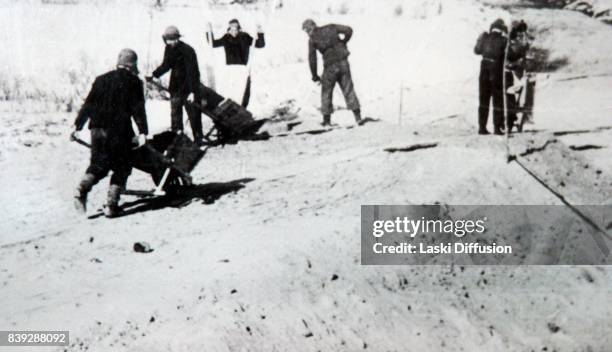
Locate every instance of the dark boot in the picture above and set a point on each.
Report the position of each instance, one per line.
(524, 119)
(80, 194)
(200, 142)
(358, 118)
(111, 208)
(326, 120)
(483, 116)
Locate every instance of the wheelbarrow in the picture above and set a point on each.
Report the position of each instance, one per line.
(231, 121)
(168, 157)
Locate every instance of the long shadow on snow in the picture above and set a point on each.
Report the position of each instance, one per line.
(208, 193)
(564, 132)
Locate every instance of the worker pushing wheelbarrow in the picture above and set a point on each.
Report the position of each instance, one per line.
(115, 99)
(231, 121)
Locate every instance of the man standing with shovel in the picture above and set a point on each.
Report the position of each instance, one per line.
(115, 98)
(336, 69)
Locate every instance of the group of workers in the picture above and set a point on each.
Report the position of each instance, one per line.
(503, 70)
(117, 97)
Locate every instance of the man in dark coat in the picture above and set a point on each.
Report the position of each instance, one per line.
(115, 98)
(336, 69)
(184, 82)
(237, 45)
(515, 71)
(492, 46)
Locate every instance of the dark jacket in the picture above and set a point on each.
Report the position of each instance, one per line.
(327, 41)
(115, 97)
(237, 48)
(492, 47)
(183, 62)
(517, 54)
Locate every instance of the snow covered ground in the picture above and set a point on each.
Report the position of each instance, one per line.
(264, 256)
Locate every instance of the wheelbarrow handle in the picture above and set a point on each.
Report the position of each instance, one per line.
(83, 143)
(80, 141)
(161, 87)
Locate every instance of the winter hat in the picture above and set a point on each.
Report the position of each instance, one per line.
(518, 27)
(236, 22)
(499, 24)
(128, 59)
(308, 24)
(171, 33)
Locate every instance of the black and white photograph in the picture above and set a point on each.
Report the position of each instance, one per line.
(306, 175)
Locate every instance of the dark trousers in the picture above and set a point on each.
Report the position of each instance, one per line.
(110, 153)
(491, 86)
(194, 113)
(512, 103)
(338, 72)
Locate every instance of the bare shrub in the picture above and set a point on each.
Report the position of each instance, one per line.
(344, 9)
(540, 61)
(78, 79)
(398, 11)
